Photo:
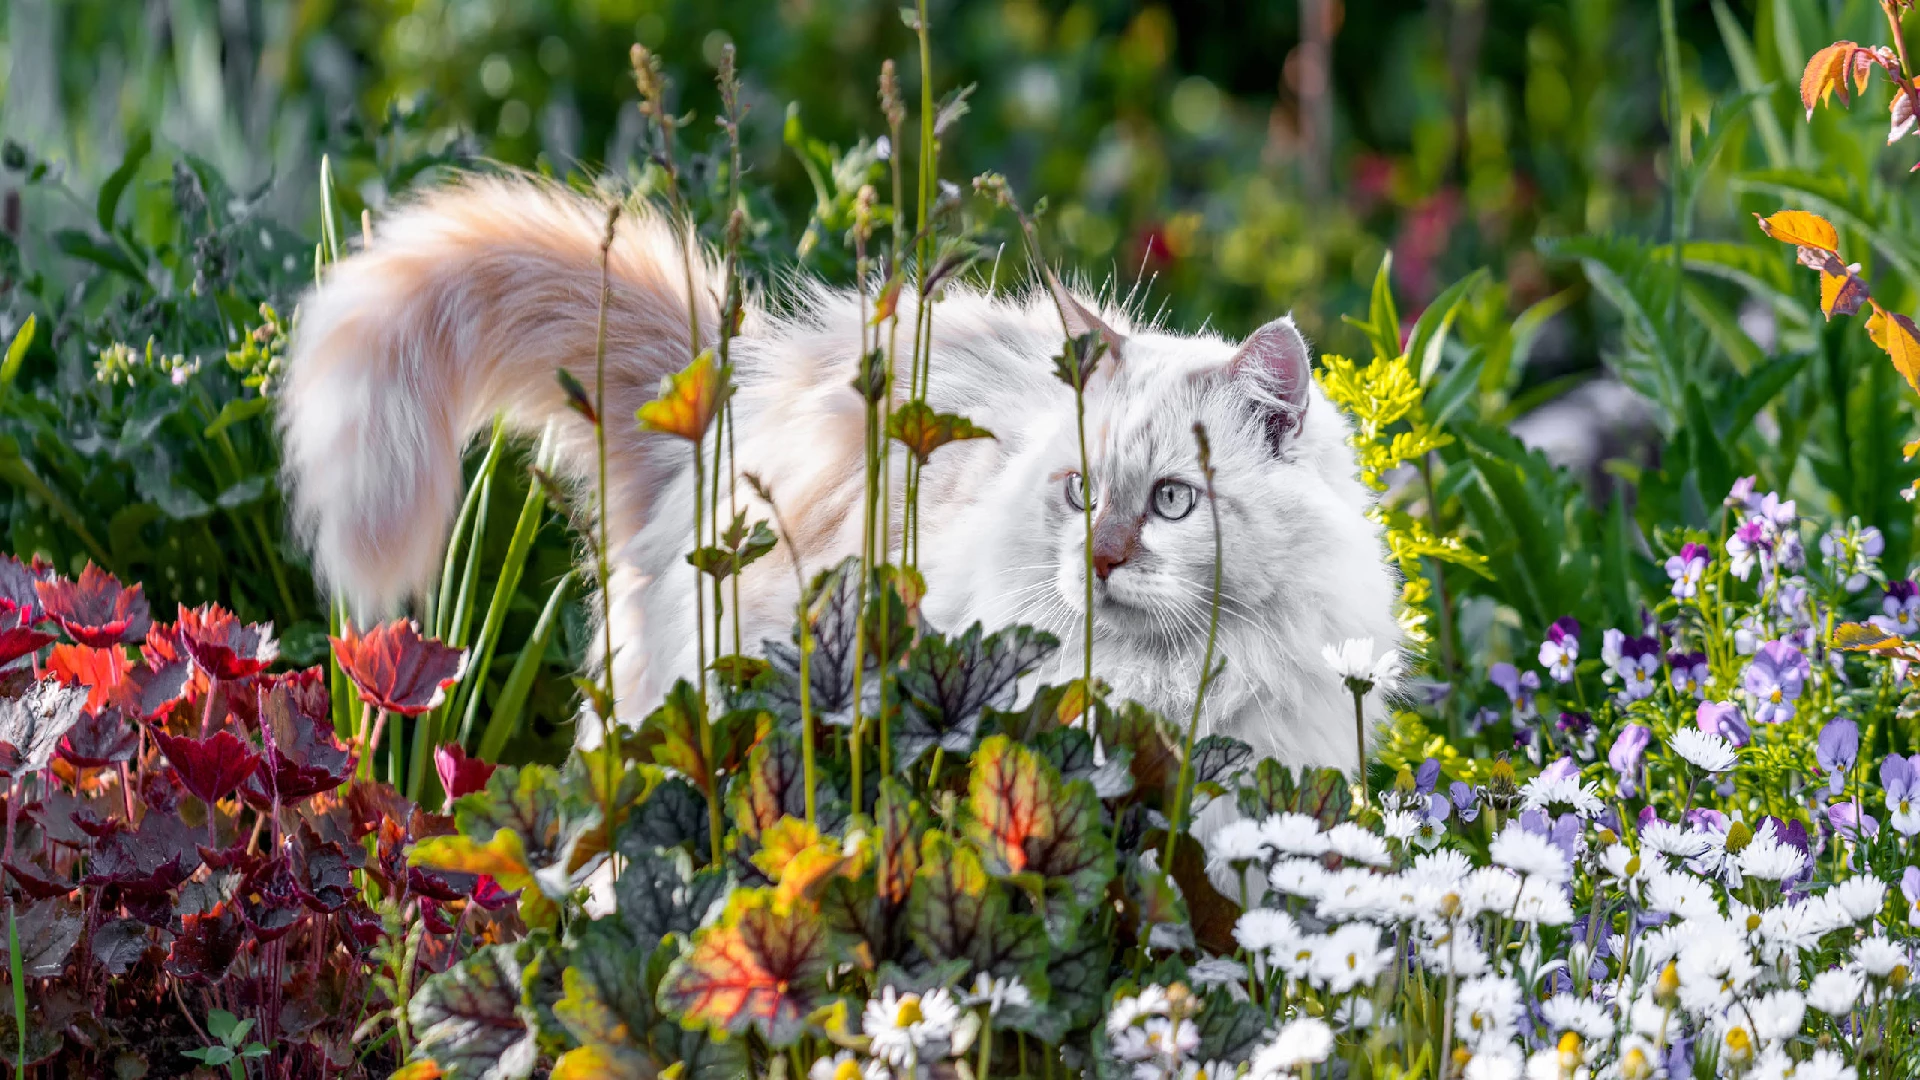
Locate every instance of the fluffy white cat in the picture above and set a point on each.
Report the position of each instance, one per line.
(470, 297)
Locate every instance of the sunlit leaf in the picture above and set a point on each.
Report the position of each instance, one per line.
(1801, 228)
(1826, 74)
(689, 399)
(211, 768)
(96, 609)
(17, 634)
(396, 669)
(1897, 335)
(1841, 290)
(1027, 820)
(922, 431)
(757, 968)
(468, 1019)
(223, 646)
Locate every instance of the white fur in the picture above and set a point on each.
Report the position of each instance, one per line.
(472, 296)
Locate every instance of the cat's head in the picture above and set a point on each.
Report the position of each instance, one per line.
(1291, 512)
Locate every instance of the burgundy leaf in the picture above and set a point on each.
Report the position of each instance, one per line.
(96, 610)
(100, 739)
(210, 768)
(270, 900)
(18, 581)
(151, 689)
(489, 895)
(32, 724)
(120, 944)
(38, 883)
(303, 756)
(70, 821)
(460, 774)
(160, 789)
(223, 646)
(207, 944)
(17, 635)
(151, 860)
(236, 858)
(396, 669)
(324, 875)
(433, 914)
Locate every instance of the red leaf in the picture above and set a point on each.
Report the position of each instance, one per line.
(100, 739)
(757, 967)
(18, 581)
(37, 883)
(303, 756)
(223, 646)
(323, 872)
(396, 669)
(152, 860)
(207, 944)
(17, 635)
(460, 774)
(211, 768)
(96, 610)
(164, 677)
(270, 901)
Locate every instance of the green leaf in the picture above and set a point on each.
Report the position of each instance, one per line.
(739, 549)
(658, 894)
(948, 682)
(1427, 342)
(79, 245)
(550, 819)
(1026, 820)
(956, 912)
(759, 968)
(237, 411)
(673, 817)
(106, 209)
(922, 431)
(220, 1024)
(468, 1018)
(16, 354)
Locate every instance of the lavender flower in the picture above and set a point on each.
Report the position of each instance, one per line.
(1900, 609)
(1851, 822)
(1629, 751)
(1579, 730)
(1466, 801)
(1774, 680)
(1638, 666)
(1689, 674)
(1901, 778)
(1686, 569)
(1561, 650)
(1853, 551)
(1520, 688)
(1839, 748)
(1746, 546)
(1741, 494)
(1723, 718)
(1910, 888)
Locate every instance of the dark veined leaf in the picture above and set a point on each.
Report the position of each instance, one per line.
(33, 723)
(1027, 820)
(95, 609)
(120, 944)
(757, 968)
(775, 787)
(303, 756)
(525, 828)
(207, 944)
(1230, 1030)
(608, 1007)
(468, 1018)
(947, 682)
(832, 613)
(1217, 759)
(1156, 904)
(48, 930)
(323, 873)
(671, 734)
(223, 646)
(1152, 746)
(956, 912)
(922, 431)
(659, 893)
(100, 738)
(1322, 794)
(673, 816)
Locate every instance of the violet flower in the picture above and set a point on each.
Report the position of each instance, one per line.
(1723, 718)
(1910, 888)
(1686, 569)
(1689, 674)
(1741, 494)
(1774, 679)
(1629, 751)
(1901, 778)
(1851, 822)
(1746, 546)
(1837, 751)
(1520, 688)
(1561, 650)
(1900, 609)
(1638, 667)
(1579, 730)
(1466, 801)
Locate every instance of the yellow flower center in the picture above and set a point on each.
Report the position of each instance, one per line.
(847, 1070)
(1570, 1051)
(1775, 697)
(909, 1012)
(1739, 1043)
(1635, 1066)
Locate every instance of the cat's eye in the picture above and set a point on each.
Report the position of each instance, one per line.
(1174, 499)
(1075, 490)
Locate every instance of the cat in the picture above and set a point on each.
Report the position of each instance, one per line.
(467, 299)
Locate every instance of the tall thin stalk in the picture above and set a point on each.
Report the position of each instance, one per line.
(1677, 219)
(600, 455)
(806, 652)
(1183, 786)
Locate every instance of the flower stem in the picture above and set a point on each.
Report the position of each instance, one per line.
(1360, 741)
(1184, 784)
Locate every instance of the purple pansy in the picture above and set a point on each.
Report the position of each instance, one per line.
(1687, 569)
(1561, 650)
(1638, 667)
(1519, 687)
(1689, 673)
(1838, 749)
(1723, 718)
(1900, 777)
(1899, 609)
(1466, 802)
(1629, 750)
(1746, 546)
(1741, 494)
(1774, 679)
(1851, 822)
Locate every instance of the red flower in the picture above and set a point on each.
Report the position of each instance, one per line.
(17, 635)
(212, 767)
(223, 646)
(396, 669)
(96, 610)
(460, 774)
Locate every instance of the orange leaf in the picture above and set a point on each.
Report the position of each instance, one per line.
(1841, 290)
(1900, 338)
(689, 399)
(1802, 228)
(1826, 72)
(97, 669)
(756, 967)
(424, 1069)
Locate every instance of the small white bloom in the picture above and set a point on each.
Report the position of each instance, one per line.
(1151, 1001)
(1348, 957)
(1487, 1010)
(1585, 1016)
(1543, 902)
(1266, 930)
(1297, 877)
(997, 994)
(1530, 853)
(1860, 897)
(1306, 1041)
(1400, 825)
(1834, 992)
(1237, 842)
(1351, 841)
(1543, 792)
(1878, 956)
(1770, 858)
(1501, 1062)
(846, 1066)
(903, 1026)
(1353, 660)
(1710, 753)
(1682, 895)
(1777, 1016)
(1826, 1065)
(1293, 834)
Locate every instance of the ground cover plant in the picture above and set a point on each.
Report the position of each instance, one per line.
(1646, 808)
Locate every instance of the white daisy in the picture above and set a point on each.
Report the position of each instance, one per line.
(1350, 956)
(1587, 1017)
(1487, 1009)
(1877, 956)
(845, 1065)
(997, 994)
(1297, 877)
(902, 1026)
(1860, 897)
(1777, 1016)
(1544, 792)
(1350, 841)
(1768, 857)
(1834, 992)
(1306, 1041)
(1710, 753)
(1293, 834)
(1265, 930)
(1353, 660)
(1826, 1065)
(1500, 1062)
(1239, 842)
(1530, 853)
(1151, 1001)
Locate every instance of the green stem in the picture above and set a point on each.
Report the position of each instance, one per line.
(806, 705)
(600, 490)
(1670, 45)
(711, 782)
(1181, 788)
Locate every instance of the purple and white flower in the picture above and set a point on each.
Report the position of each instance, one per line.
(1899, 609)
(1638, 666)
(1687, 569)
(1838, 749)
(1910, 888)
(1561, 650)
(1773, 681)
(1520, 688)
(1689, 674)
(1628, 753)
(1746, 546)
(1900, 777)
(1723, 718)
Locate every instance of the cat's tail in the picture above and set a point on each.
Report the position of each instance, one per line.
(462, 307)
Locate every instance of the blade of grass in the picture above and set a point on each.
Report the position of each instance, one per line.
(507, 709)
(467, 696)
(442, 626)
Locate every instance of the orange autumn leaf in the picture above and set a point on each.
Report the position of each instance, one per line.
(758, 967)
(1802, 228)
(689, 399)
(98, 669)
(1896, 334)
(424, 1069)
(1841, 290)
(1826, 73)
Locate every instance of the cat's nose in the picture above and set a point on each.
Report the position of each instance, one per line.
(1103, 564)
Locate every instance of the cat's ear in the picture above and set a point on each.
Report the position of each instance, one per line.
(1081, 321)
(1276, 368)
